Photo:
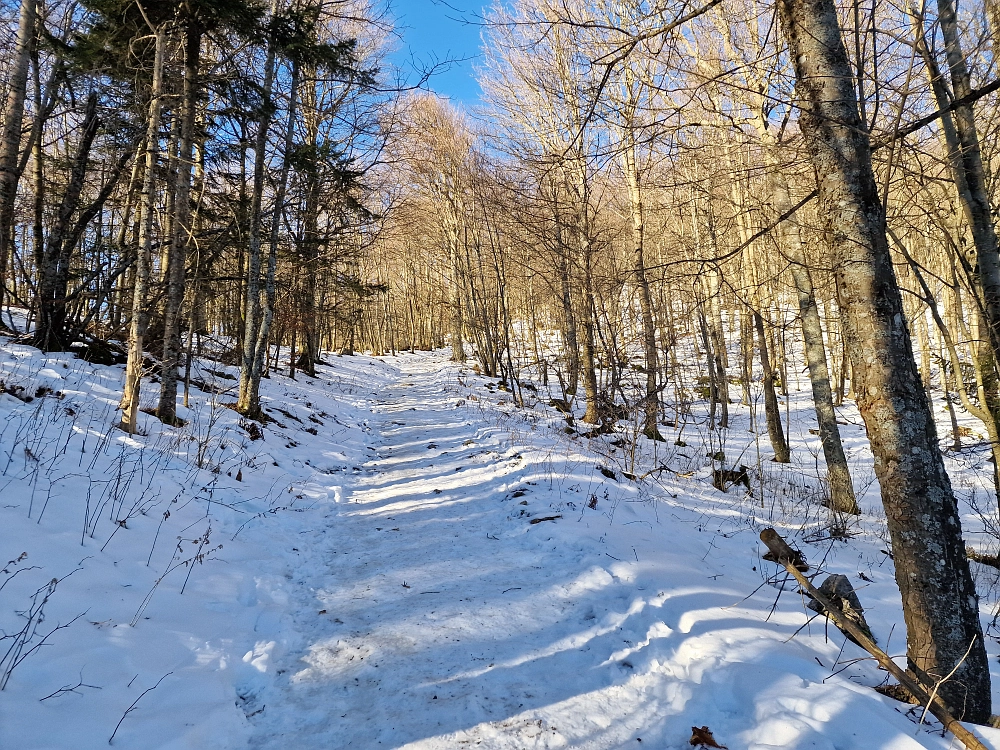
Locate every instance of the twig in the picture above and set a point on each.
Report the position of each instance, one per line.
(946, 678)
(774, 607)
(132, 707)
(70, 688)
(800, 628)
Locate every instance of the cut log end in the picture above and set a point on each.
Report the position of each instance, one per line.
(780, 552)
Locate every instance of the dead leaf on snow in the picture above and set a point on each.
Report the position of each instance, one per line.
(702, 737)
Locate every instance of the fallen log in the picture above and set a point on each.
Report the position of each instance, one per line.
(927, 695)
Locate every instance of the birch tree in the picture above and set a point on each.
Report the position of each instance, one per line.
(129, 404)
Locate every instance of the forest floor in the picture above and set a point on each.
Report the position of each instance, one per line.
(402, 558)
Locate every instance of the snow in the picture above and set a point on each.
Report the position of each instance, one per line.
(380, 583)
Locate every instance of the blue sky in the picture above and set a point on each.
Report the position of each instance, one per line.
(432, 30)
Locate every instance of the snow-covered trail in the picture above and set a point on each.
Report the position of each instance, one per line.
(425, 612)
(390, 578)
(430, 612)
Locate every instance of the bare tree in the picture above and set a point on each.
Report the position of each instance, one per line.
(944, 636)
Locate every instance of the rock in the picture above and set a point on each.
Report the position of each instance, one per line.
(838, 589)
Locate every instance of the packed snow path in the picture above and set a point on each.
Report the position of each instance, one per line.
(425, 614)
(431, 612)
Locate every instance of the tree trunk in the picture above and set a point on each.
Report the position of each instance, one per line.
(713, 388)
(310, 242)
(10, 138)
(772, 412)
(940, 605)
(51, 327)
(140, 309)
(270, 281)
(38, 164)
(571, 343)
(838, 472)
(651, 401)
(182, 230)
(455, 287)
(966, 161)
(842, 499)
(717, 336)
(588, 308)
(248, 401)
(746, 364)
(53, 333)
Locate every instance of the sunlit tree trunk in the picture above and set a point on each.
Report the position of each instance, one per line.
(579, 191)
(10, 138)
(140, 304)
(248, 400)
(966, 160)
(651, 402)
(182, 229)
(838, 472)
(270, 280)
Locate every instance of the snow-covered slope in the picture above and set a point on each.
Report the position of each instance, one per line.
(125, 524)
(405, 560)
